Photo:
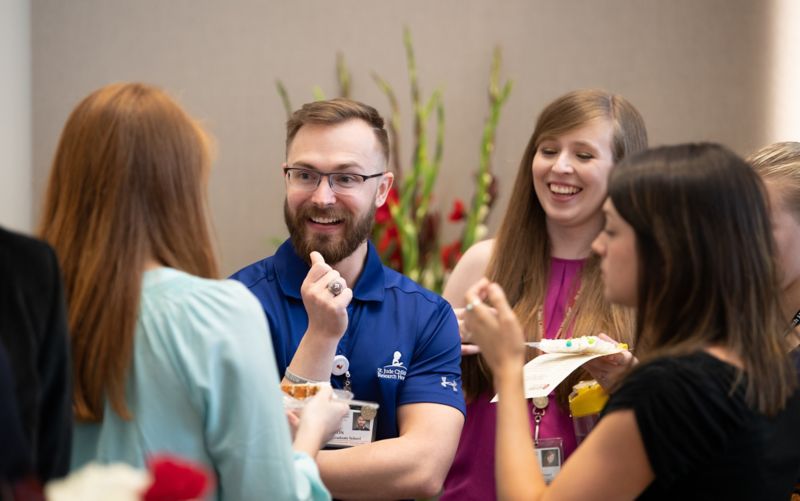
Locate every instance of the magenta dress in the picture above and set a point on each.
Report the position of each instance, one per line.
(472, 474)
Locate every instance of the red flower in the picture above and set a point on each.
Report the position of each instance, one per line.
(457, 214)
(389, 237)
(451, 254)
(176, 479)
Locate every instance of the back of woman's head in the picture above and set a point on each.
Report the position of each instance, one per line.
(780, 163)
(127, 186)
(706, 270)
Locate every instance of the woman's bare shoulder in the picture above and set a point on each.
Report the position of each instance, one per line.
(469, 269)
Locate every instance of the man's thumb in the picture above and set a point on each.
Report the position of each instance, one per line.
(316, 258)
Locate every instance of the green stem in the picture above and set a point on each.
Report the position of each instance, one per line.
(342, 76)
(497, 98)
(393, 126)
(287, 106)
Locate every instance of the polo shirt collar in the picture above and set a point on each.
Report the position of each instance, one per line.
(291, 270)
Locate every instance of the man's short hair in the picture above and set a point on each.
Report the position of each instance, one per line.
(336, 111)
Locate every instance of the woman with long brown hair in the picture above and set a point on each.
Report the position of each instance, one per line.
(165, 358)
(687, 242)
(541, 257)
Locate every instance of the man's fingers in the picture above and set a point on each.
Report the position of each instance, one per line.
(316, 258)
(344, 298)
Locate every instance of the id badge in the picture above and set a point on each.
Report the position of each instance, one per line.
(550, 453)
(358, 425)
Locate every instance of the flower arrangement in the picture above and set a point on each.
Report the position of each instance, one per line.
(407, 228)
(167, 478)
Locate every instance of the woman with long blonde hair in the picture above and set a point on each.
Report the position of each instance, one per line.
(779, 166)
(542, 258)
(166, 358)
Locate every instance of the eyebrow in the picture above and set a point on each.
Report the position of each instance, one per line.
(338, 168)
(585, 144)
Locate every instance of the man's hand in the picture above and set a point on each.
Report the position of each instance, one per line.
(327, 313)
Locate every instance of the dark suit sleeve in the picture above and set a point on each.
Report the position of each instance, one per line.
(15, 457)
(55, 411)
(33, 330)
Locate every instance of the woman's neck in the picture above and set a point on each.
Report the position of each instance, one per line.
(151, 264)
(573, 242)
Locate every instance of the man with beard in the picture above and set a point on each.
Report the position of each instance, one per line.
(338, 315)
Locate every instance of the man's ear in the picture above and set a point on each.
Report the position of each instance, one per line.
(384, 186)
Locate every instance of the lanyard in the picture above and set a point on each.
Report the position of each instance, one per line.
(567, 314)
(795, 320)
(341, 362)
(793, 325)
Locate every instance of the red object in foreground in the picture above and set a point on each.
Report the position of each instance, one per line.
(177, 479)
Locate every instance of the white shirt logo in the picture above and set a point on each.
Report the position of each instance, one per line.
(396, 360)
(445, 383)
(394, 370)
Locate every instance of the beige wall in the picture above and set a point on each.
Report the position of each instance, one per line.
(694, 68)
(15, 115)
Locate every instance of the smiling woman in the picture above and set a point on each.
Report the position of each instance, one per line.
(541, 257)
(570, 174)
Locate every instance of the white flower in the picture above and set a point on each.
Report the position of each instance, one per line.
(96, 482)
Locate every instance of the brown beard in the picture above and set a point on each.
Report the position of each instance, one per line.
(333, 249)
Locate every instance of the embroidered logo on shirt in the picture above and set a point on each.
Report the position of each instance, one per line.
(396, 360)
(395, 370)
(445, 383)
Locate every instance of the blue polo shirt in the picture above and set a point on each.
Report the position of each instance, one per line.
(402, 340)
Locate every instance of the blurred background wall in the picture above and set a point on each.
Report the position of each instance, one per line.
(697, 70)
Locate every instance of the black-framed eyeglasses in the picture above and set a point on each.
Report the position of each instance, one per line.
(340, 182)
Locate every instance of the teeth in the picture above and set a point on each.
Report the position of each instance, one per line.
(562, 189)
(323, 220)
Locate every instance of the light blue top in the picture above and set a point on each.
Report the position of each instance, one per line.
(203, 385)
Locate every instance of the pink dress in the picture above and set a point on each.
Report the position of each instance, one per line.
(472, 474)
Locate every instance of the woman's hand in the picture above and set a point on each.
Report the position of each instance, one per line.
(293, 417)
(467, 347)
(491, 324)
(608, 369)
(320, 420)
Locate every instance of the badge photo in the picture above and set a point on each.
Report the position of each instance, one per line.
(358, 425)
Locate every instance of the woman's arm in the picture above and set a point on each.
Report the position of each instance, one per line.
(469, 269)
(246, 430)
(610, 464)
